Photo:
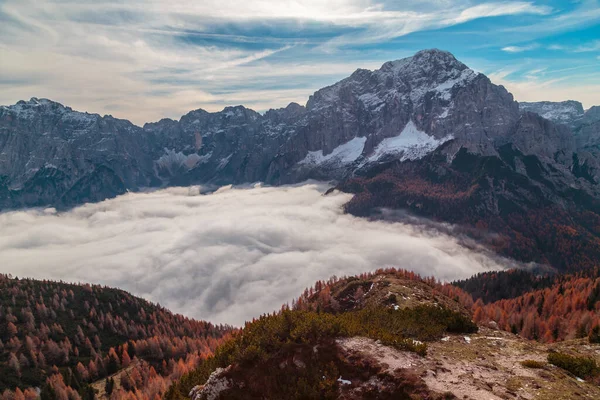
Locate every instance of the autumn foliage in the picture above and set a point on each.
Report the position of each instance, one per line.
(562, 307)
(63, 337)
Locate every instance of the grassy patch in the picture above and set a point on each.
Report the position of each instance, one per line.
(582, 367)
(532, 364)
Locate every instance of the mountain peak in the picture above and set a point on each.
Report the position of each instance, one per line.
(428, 71)
(39, 107)
(426, 61)
(434, 53)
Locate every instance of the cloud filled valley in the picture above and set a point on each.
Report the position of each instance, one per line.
(226, 256)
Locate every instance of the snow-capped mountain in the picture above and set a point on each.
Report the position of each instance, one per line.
(53, 155)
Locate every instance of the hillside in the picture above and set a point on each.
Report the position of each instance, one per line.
(511, 202)
(386, 335)
(547, 308)
(70, 335)
(567, 309)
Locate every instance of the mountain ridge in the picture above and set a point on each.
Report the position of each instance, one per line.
(441, 96)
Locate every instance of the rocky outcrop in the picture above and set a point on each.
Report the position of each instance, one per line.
(565, 112)
(216, 384)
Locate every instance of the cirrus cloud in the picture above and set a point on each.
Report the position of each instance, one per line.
(148, 59)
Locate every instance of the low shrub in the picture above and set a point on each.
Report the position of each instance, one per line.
(594, 336)
(532, 364)
(582, 367)
(277, 334)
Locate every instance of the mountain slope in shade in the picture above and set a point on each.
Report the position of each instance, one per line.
(523, 206)
(586, 129)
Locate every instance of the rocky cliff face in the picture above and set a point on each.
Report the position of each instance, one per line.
(564, 112)
(47, 150)
(585, 126)
(402, 111)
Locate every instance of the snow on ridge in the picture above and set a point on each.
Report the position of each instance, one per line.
(465, 77)
(412, 144)
(444, 88)
(230, 112)
(172, 160)
(79, 117)
(343, 154)
(31, 108)
(444, 114)
(554, 111)
(224, 161)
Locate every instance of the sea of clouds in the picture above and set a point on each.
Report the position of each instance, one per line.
(227, 256)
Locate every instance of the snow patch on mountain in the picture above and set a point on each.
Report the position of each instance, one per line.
(342, 155)
(30, 109)
(224, 161)
(233, 112)
(464, 78)
(443, 89)
(172, 161)
(565, 112)
(411, 144)
(444, 114)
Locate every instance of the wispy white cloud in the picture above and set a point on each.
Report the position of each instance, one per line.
(207, 257)
(383, 24)
(520, 49)
(538, 87)
(592, 46)
(501, 8)
(585, 14)
(146, 59)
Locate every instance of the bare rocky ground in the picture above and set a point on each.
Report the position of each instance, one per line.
(485, 365)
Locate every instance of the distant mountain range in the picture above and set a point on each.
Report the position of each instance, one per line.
(425, 133)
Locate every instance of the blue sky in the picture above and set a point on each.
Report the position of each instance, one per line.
(148, 59)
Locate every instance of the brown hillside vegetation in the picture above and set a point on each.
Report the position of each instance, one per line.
(511, 214)
(568, 309)
(61, 337)
(383, 335)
